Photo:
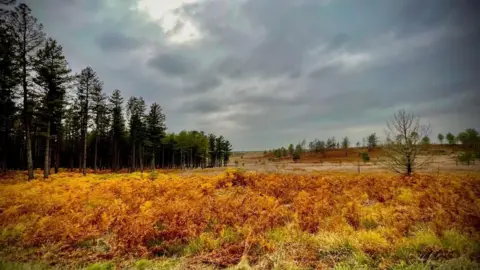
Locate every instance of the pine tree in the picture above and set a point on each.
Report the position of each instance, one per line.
(219, 150)
(345, 145)
(227, 151)
(136, 112)
(9, 76)
(117, 131)
(87, 81)
(99, 110)
(155, 131)
(51, 75)
(28, 36)
(73, 132)
(212, 149)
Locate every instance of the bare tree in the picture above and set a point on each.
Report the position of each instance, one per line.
(404, 134)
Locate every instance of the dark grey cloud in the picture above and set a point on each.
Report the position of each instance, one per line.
(202, 106)
(266, 73)
(204, 84)
(116, 41)
(171, 64)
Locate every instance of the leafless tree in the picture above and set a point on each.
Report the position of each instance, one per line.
(403, 146)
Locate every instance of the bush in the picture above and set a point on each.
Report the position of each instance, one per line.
(296, 156)
(466, 158)
(365, 157)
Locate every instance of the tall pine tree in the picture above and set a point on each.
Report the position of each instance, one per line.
(9, 76)
(51, 75)
(87, 81)
(155, 132)
(136, 114)
(117, 131)
(28, 36)
(99, 110)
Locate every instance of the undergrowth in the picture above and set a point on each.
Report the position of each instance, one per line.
(241, 220)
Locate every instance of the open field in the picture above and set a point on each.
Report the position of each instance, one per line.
(444, 160)
(241, 220)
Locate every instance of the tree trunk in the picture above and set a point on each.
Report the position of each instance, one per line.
(409, 166)
(153, 161)
(133, 157)
(28, 139)
(71, 156)
(80, 153)
(141, 158)
(47, 151)
(29, 152)
(57, 152)
(96, 152)
(114, 153)
(84, 163)
(163, 156)
(4, 153)
(50, 158)
(181, 159)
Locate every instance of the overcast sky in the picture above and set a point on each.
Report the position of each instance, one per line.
(265, 73)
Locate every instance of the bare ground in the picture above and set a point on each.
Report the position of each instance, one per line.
(255, 161)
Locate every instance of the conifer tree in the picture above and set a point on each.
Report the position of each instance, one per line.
(9, 78)
(99, 113)
(51, 75)
(28, 36)
(87, 81)
(117, 128)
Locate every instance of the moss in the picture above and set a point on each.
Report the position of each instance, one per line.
(339, 251)
(143, 264)
(168, 264)
(349, 266)
(228, 235)
(459, 243)
(460, 263)
(368, 223)
(371, 241)
(22, 266)
(421, 245)
(205, 242)
(101, 266)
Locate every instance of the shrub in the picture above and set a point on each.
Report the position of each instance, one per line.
(365, 157)
(296, 156)
(466, 158)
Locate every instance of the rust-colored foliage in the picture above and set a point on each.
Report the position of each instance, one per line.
(222, 218)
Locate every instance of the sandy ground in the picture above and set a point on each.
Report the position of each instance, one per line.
(256, 162)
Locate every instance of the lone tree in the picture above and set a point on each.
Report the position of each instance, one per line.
(440, 138)
(404, 135)
(345, 145)
(372, 140)
(450, 138)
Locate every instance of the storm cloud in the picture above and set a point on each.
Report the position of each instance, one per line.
(266, 73)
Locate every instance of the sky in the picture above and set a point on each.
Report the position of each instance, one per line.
(267, 73)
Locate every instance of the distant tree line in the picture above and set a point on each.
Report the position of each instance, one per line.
(320, 146)
(468, 140)
(51, 118)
